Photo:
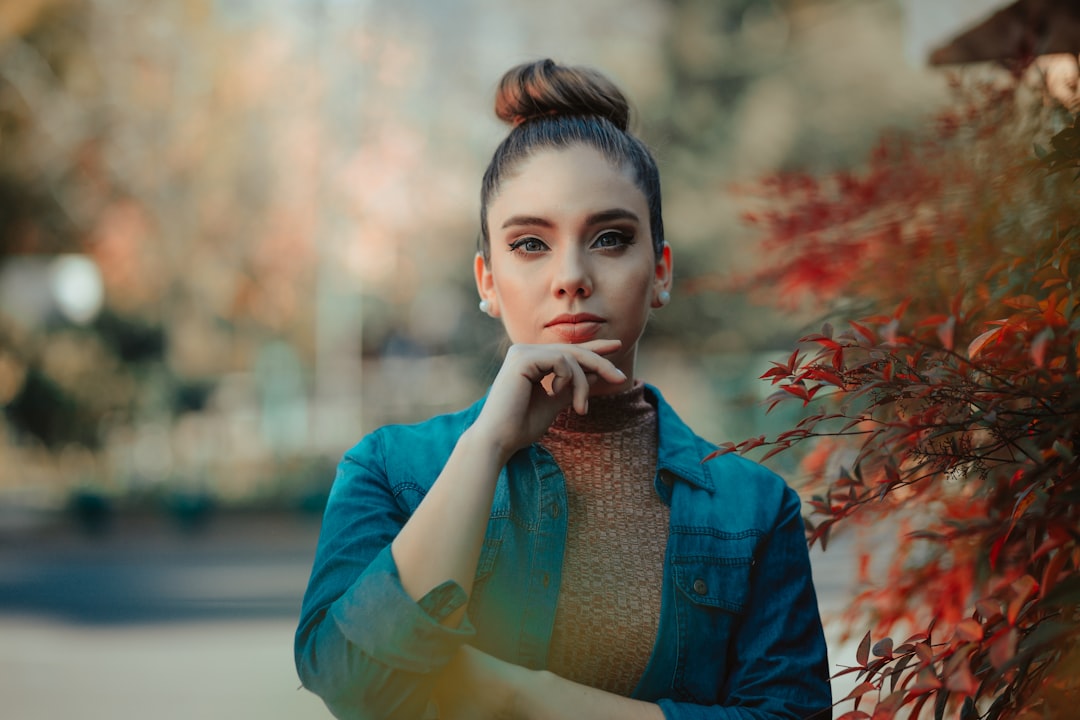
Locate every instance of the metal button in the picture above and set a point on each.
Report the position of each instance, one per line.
(700, 587)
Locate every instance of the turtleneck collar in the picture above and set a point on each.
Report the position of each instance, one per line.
(607, 413)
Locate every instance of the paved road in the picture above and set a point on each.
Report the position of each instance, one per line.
(151, 621)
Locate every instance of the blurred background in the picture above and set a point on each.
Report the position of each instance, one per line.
(236, 235)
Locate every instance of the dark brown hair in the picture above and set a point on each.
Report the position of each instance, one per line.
(552, 106)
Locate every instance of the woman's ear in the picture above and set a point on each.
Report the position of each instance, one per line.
(485, 285)
(661, 289)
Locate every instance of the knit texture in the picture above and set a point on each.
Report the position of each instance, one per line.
(609, 598)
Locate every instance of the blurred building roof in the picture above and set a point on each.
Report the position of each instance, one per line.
(1022, 29)
(967, 31)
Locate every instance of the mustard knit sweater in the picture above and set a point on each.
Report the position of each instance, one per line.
(609, 599)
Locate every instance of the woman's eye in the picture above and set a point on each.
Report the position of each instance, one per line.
(612, 239)
(528, 245)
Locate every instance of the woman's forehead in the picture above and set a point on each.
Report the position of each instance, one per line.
(567, 180)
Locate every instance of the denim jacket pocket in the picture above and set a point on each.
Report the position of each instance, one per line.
(712, 593)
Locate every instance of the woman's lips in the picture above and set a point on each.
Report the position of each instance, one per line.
(576, 328)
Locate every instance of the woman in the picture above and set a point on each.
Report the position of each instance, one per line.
(559, 550)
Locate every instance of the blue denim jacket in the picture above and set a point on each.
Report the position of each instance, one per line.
(739, 633)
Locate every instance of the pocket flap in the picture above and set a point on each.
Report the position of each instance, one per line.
(722, 582)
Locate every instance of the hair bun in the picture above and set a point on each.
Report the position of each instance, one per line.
(544, 88)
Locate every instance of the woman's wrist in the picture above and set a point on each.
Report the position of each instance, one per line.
(476, 440)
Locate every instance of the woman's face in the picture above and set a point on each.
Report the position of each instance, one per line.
(571, 253)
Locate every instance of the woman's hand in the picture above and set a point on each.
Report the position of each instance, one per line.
(535, 383)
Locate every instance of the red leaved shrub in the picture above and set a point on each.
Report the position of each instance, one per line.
(944, 399)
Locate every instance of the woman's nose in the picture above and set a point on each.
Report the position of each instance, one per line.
(572, 276)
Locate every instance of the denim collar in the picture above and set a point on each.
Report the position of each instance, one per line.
(680, 452)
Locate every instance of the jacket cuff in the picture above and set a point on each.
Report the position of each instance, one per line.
(386, 624)
(688, 711)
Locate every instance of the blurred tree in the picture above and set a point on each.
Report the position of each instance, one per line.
(147, 158)
(40, 48)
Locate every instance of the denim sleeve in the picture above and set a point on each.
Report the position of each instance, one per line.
(779, 654)
(363, 644)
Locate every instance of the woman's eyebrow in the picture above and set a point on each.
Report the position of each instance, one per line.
(606, 216)
(527, 221)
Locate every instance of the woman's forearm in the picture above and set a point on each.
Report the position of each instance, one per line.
(441, 540)
(477, 686)
(545, 696)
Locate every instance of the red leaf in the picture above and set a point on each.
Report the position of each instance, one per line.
(860, 690)
(975, 346)
(854, 715)
(1022, 504)
(926, 681)
(1052, 571)
(901, 309)
(780, 447)
(1023, 589)
(969, 630)
(883, 648)
(889, 332)
(777, 373)
(916, 709)
(751, 443)
(1003, 649)
(989, 609)
(1038, 347)
(866, 332)
(825, 375)
(724, 449)
(946, 332)
(1057, 536)
(887, 708)
(958, 677)
(796, 390)
(995, 550)
(862, 655)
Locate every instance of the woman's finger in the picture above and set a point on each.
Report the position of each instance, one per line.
(581, 389)
(593, 362)
(600, 348)
(569, 373)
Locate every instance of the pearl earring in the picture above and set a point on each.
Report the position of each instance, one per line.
(663, 297)
(485, 307)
